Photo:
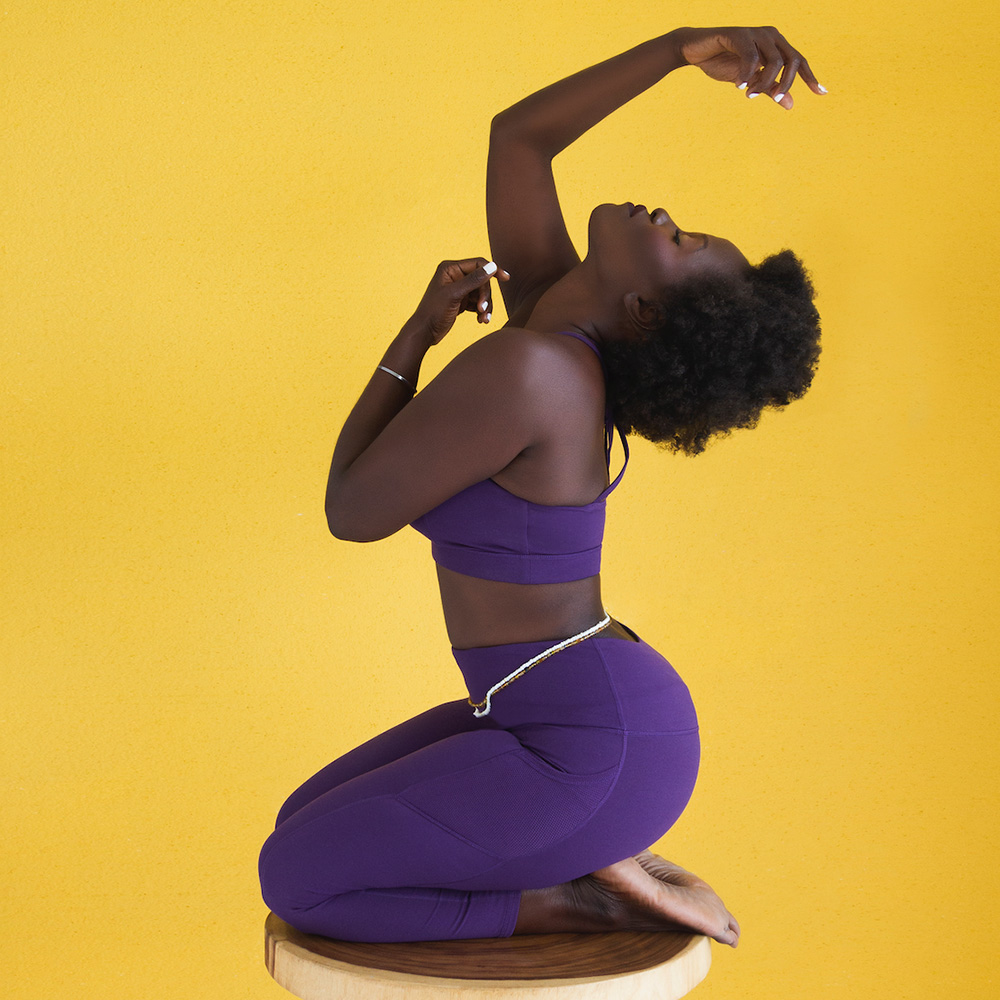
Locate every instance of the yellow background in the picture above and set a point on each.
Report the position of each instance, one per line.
(214, 218)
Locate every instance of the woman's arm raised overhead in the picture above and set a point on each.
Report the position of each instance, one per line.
(526, 226)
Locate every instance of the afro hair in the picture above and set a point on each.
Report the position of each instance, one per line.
(729, 349)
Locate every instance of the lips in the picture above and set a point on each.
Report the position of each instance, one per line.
(635, 210)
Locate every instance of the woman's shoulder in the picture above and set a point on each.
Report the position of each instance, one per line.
(529, 349)
(531, 367)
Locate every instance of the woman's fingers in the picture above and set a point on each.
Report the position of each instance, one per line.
(466, 278)
(772, 64)
(749, 58)
(457, 286)
(788, 73)
(774, 56)
(807, 74)
(474, 286)
(483, 299)
(483, 307)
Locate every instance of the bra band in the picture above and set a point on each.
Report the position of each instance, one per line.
(484, 531)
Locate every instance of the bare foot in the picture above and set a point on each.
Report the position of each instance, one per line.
(644, 893)
(704, 910)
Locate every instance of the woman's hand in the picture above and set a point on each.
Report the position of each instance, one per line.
(751, 58)
(457, 286)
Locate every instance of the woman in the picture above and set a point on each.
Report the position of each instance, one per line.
(529, 807)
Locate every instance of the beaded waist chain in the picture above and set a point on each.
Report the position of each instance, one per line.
(481, 708)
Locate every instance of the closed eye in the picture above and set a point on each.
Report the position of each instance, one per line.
(677, 236)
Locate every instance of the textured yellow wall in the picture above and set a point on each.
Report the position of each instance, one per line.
(216, 214)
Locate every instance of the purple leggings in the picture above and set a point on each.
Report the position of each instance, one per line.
(431, 830)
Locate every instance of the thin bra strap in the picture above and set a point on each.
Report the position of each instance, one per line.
(584, 339)
(609, 424)
(621, 472)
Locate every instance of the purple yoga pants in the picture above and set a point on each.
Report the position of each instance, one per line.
(431, 830)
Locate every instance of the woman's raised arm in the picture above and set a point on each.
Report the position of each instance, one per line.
(527, 231)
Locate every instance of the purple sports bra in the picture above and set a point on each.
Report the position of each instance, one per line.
(487, 532)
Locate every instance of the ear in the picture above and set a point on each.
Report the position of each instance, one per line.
(644, 314)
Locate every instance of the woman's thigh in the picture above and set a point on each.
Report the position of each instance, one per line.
(645, 797)
(449, 811)
(429, 727)
(476, 811)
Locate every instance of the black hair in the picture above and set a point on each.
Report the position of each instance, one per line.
(730, 347)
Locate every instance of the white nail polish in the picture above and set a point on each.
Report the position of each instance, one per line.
(777, 98)
(490, 268)
(750, 97)
(488, 317)
(742, 86)
(822, 89)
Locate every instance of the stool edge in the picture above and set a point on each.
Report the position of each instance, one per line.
(282, 957)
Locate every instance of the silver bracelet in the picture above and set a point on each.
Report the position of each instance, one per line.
(397, 375)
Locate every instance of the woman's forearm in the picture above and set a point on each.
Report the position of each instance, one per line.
(559, 114)
(457, 286)
(383, 397)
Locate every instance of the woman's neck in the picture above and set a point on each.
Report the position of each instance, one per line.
(573, 303)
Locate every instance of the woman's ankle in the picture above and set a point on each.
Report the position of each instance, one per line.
(572, 907)
(539, 910)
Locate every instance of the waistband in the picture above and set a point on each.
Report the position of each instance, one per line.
(602, 681)
(484, 666)
(481, 708)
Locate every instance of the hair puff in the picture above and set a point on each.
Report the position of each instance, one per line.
(730, 348)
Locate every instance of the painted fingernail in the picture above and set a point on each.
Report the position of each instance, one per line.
(777, 98)
(750, 97)
(822, 89)
(489, 316)
(742, 86)
(490, 268)
(482, 305)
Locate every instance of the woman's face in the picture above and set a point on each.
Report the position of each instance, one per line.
(646, 252)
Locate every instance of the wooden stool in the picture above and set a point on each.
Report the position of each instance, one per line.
(623, 966)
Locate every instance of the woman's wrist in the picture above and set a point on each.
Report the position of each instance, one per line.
(417, 334)
(674, 40)
(404, 355)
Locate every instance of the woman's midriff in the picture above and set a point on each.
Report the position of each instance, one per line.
(488, 613)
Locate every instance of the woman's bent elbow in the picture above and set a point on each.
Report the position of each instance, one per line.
(504, 125)
(340, 525)
(349, 527)
(340, 516)
(355, 516)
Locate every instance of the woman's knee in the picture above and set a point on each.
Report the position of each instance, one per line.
(284, 884)
(290, 806)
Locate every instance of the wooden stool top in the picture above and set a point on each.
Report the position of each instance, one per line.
(317, 968)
